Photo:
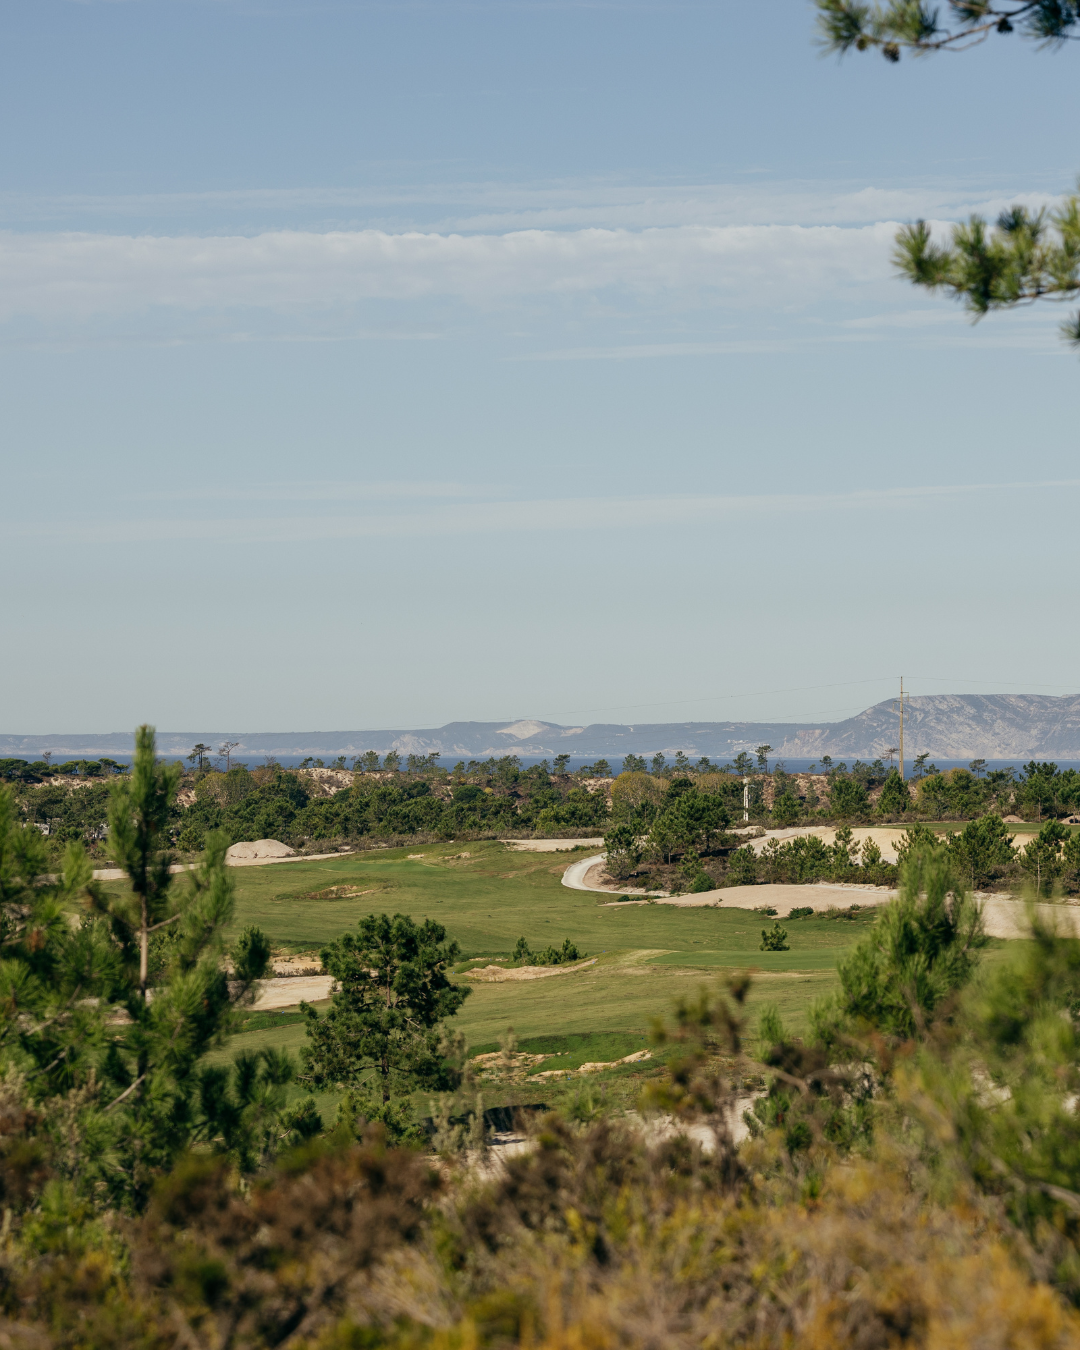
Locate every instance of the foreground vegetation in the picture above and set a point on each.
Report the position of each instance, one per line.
(911, 1175)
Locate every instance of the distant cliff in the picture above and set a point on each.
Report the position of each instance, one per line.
(949, 726)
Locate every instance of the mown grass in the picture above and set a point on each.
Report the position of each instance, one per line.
(649, 956)
(486, 902)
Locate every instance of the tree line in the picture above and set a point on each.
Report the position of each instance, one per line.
(500, 795)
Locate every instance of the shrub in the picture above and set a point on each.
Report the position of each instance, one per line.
(848, 799)
(774, 939)
(786, 810)
(742, 867)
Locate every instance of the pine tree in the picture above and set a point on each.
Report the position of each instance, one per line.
(895, 798)
(52, 1025)
(89, 1011)
(380, 1037)
(152, 1077)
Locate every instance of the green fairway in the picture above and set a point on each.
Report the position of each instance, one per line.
(819, 958)
(488, 900)
(648, 955)
(623, 993)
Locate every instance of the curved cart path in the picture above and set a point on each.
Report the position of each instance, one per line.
(1004, 916)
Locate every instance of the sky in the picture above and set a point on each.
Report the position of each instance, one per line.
(391, 364)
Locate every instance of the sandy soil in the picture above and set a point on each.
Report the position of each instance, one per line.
(497, 975)
(118, 873)
(288, 993)
(259, 848)
(887, 838)
(1007, 918)
(781, 898)
(550, 845)
(292, 966)
(1003, 916)
(593, 1067)
(300, 857)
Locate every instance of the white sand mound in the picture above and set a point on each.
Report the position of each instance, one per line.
(549, 845)
(260, 848)
(497, 974)
(594, 1066)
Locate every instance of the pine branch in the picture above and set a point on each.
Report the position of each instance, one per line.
(1026, 256)
(910, 25)
(126, 1093)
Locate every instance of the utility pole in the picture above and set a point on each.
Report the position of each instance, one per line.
(901, 728)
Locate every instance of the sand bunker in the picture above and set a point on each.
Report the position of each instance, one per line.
(288, 993)
(500, 1062)
(549, 845)
(779, 897)
(260, 848)
(594, 1067)
(887, 838)
(497, 975)
(1003, 915)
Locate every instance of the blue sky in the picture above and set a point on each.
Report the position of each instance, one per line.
(373, 365)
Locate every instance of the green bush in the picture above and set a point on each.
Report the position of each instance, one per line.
(742, 867)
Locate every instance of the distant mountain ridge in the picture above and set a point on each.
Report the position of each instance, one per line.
(950, 726)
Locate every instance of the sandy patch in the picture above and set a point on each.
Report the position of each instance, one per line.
(511, 1062)
(288, 993)
(118, 873)
(888, 838)
(258, 848)
(1008, 918)
(300, 857)
(594, 1067)
(289, 967)
(549, 845)
(1003, 916)
(498, 1062)
(779, 897)
(497, 975)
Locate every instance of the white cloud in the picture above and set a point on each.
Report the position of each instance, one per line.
(50, 277)
(318, 491)
(559, 204)
(546, 514)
